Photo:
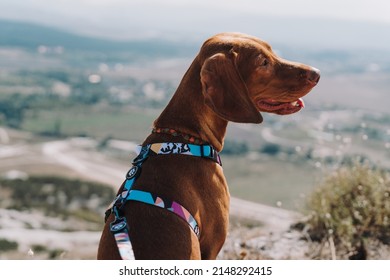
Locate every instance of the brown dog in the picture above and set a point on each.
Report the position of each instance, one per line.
(233, 78)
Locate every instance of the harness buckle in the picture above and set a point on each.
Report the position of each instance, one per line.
(207, 151)
(118, 225)
(206, 154)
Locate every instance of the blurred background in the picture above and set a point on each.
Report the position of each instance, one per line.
(82, 81)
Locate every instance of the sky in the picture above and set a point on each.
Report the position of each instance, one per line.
(368, 10)
(124, 19)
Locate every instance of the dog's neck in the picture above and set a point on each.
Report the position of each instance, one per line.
(188, 113)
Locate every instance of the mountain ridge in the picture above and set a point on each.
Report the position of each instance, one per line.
(31, 36)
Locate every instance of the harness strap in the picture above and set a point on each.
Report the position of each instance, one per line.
(172, 206)
(204, 151)
(119, 226)
(119, 229)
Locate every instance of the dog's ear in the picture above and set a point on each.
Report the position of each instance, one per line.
(225, 91)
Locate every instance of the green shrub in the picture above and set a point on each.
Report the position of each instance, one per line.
(271, 149)
(351, 206)
(38, 248)
(6, 245)
(235, 148)
(55, 196)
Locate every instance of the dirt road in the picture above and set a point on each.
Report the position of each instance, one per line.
(92, 166)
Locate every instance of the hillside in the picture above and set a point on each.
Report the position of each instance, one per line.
(30, 36)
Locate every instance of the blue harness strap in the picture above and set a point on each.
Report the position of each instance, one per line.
(119, 226)
(204, 151)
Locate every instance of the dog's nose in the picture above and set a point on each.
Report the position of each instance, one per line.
(314, 75)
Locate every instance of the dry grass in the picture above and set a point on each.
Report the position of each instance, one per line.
(350, 211)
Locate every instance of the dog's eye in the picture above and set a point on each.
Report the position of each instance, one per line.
(263, 62)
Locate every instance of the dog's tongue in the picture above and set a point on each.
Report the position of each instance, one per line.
(301, 103)
(281, 108)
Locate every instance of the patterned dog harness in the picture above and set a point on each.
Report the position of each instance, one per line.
(119, 226)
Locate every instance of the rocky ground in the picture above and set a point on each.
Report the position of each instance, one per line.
(259, 242)
(42, 237)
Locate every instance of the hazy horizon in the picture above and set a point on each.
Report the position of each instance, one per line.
(352, 24)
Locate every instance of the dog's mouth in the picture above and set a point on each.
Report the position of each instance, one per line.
(280, 108)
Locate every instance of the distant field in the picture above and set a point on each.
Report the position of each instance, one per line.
(271, 181)
(126, 124)
(257, 177)
(369, 91)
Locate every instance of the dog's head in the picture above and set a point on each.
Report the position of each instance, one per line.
(241, 76)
